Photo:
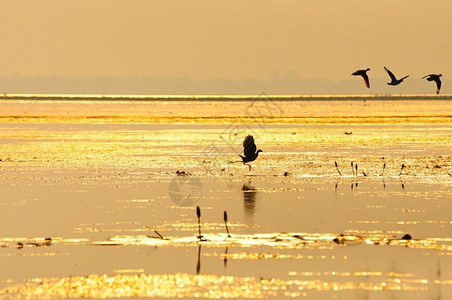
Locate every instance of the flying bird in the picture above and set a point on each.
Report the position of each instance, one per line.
(394, 80)
(363, 73)
(249, 150)
(435, 78)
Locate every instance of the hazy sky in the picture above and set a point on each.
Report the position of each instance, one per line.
(225, 38)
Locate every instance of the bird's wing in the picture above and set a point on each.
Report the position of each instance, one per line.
(438, 84)
(366, 80)
(249, 148)
(391, 75)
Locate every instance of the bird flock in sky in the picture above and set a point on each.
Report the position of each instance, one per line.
(394, 81)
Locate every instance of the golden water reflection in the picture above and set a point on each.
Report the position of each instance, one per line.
(84, 191)
(209, 286)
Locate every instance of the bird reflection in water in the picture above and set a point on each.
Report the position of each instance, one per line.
(249, 199)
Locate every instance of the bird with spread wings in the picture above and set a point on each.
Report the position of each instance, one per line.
(249, 150)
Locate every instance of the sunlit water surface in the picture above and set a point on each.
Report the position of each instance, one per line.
(98, 199)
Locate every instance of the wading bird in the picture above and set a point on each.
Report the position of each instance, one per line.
(435, 78)
(363, 74)
(394, 80)
(249, 149)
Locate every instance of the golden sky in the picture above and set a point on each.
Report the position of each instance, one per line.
(229, 39)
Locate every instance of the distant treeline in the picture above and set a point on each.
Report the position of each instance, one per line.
(261, 97)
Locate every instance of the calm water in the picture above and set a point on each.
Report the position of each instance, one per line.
(91, 204)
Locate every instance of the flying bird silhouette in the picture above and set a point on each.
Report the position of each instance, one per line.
(435, 78)
(363, 74)
(394, 80)
(249, 150)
